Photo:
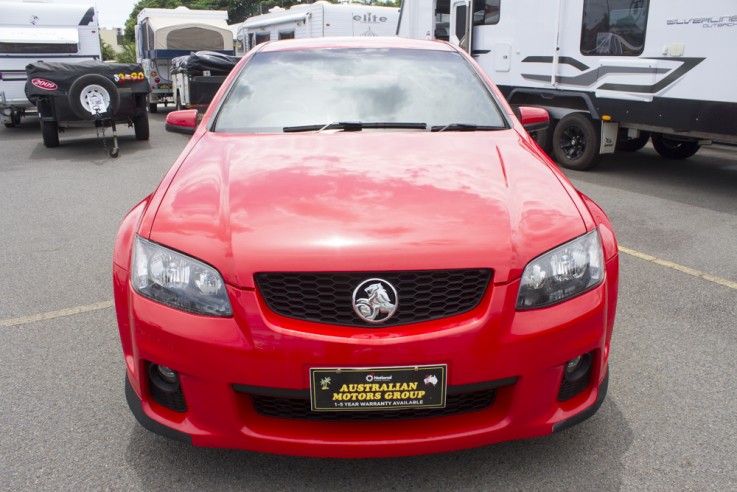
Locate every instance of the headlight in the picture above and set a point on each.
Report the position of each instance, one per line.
(177, 280)
(562, 273)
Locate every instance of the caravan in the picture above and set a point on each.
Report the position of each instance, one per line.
(611, 73)
(163, 34)
(33, 32)
(317, 20)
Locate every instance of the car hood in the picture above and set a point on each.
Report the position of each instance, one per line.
(365, 201)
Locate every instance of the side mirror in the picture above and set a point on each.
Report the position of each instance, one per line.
(533, 119)
(184, 121)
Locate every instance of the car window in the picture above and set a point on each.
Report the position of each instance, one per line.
(318, 87)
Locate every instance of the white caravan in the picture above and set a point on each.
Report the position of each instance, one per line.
(317, 20)
(611, 73)
(163, 34)
(32, 32)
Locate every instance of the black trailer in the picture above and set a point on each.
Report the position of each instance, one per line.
(92, 92)
(197, 77)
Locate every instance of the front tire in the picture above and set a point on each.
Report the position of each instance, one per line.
(576, 142)
(671, 148)
(50, 133)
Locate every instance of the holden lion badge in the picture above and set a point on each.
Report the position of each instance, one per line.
(380, 303)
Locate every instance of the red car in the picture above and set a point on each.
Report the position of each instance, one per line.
(362, 253)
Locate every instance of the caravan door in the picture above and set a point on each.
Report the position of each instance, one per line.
(461, 17)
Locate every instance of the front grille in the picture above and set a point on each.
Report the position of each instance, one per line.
(424, 295)
(299, 409)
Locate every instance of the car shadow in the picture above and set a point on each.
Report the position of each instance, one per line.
(588, 456)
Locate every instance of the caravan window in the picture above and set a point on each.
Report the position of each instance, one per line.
(262, 37)
(35, 48)
(195, 39)
(286, 34)
(486, 12)
(614, 27)
(34, 40)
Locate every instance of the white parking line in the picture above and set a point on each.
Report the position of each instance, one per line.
(680, 268)
(62, 313)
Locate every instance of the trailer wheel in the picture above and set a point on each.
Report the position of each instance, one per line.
(671, 148)
(14, 118)
(627, 144)
(153, 107)
(50, 133)
(89, 89)
(140, 125)
(576, 142)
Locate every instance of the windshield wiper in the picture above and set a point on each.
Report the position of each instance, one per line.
(464, 127)
(352, 126)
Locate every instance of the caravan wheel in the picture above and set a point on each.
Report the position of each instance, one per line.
(14, 118)
(576, 142)
(671, 148)
(627, 144)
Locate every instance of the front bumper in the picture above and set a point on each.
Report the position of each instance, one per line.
(520, 356)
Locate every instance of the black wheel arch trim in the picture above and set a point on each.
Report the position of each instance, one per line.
(550, 95)
(589, 412)
(134, 403)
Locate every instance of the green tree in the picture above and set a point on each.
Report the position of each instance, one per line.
(128, 55)
(108, 53)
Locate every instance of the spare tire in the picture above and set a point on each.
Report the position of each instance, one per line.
(94, 96)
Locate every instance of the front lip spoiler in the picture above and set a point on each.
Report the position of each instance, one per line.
(134, 403)
(136, 407)
(577, 419)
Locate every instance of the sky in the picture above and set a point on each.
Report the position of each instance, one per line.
(110, 13)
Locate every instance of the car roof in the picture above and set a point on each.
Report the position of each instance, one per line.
(376, 42)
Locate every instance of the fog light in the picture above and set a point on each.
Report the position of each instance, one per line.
(576, 376)
(577, 368)
(167, 374)
(572, 364)
(165, 388)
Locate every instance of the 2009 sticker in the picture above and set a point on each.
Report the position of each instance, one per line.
(129, 77)
(44, 84)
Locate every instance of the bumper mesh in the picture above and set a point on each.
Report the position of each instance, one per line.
(299, 409)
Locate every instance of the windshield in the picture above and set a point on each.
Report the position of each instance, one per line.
(375, 88)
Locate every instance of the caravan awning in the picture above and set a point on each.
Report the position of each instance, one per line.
(41, 35)
(256, 23)
(172, 33)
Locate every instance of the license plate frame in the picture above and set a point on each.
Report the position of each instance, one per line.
(378, 388)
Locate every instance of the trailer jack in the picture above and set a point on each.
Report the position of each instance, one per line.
(100, 125)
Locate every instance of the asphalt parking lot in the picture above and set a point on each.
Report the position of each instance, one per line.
(669, 421)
